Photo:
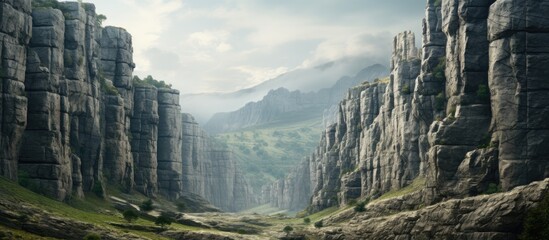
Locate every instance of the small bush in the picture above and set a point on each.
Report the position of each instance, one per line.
(150, 81)
(405, 89)
(439, 70)
(100, 19)
(163, 220)
(130, 215)
(147, 205)
(492, 188)
(306, 220)
(98, 189)
(361, 206)
(437, 3)
(319, 224)
(536, 223)
(483, 93)
(181, 206)
(92, 236)
(288, 229)
(440, 102)
(45, 4)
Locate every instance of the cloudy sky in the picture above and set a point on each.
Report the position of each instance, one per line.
(226, 45)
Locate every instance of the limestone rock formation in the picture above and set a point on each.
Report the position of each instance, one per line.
(15, 32)
(211, 171)
(465, 115)
(144, 130)
(169, 143)
(518, 83)
(45, 163)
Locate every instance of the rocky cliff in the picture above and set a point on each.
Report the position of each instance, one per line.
(73, 121)
(277, 104)
(211, 171)
(462, 114)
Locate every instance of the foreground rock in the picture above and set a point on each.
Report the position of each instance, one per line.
(496, 216)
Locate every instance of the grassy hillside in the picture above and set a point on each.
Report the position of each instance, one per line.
(270, 151)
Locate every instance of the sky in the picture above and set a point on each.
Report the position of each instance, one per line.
(226, 45)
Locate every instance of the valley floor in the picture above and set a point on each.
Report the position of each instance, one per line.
(397, 215)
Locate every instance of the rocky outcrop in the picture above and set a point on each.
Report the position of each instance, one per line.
(45, 163)
(144, 131)
(15, 33)
(211, 171)
(518, 84)
(278, 104)
(169, 143)
(497, 216)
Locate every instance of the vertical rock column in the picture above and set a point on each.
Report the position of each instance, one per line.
(193, 157)
(45, 163)
(117, 66)
(468, 99)
(15, 33)
(429, 98)
(144, 130)
(519, 60)
(169, 143)
(83, 89)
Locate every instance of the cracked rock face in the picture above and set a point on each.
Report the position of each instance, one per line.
(144, 128)
(518, 83)
(15, 34)
(45, 162)
(170, 169)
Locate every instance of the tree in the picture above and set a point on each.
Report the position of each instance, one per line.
(147, 205)
(288, 229)
(181, 206)
(163, 220)
(306, 220)
(100, 19)
(130, 215)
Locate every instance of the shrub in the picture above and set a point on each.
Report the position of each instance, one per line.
(437, 3)
(98, 189)
(440, 102)
(181, 206)
(492, 188)
(306, 220)
(147, 205)
(130, 215)
(107, 88)
(163, 220)
(536, 223)
(319, 224)
(405, 89)
(150, 81)
(92, 236)
(288, 229)
(361, 206)
(483, 93)
(100, 19)
(45, 4)
(439, 70)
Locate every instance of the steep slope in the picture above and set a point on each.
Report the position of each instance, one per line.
(277, 105)
(464, 119)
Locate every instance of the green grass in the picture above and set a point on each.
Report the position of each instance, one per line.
(270, 151)
(416, 185)
(18, 234)
(93, 209)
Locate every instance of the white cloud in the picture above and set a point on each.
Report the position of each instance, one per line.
(257, 75)
(224, 47)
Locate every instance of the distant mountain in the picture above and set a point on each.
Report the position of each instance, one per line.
(204, 105)
(282, 105)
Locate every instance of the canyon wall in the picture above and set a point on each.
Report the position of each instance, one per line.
(211, 171)
(462, 115)
(73, 120)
